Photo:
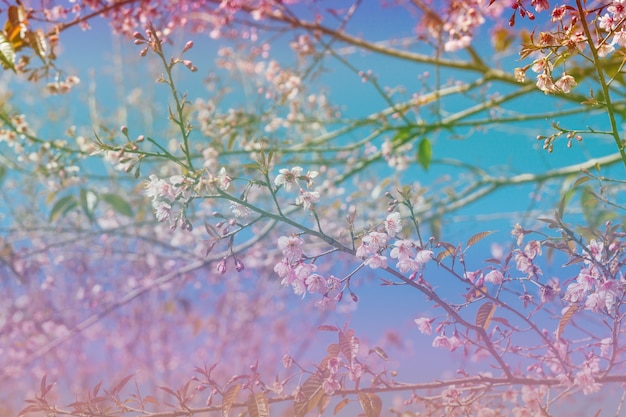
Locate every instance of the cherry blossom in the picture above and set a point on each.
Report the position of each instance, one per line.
(288, 177)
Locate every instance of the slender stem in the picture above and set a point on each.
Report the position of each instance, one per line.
(603, 84)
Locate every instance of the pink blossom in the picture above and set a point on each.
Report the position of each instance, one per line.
(619, 38)
(298, 286)
(291, 246)
(284, 269)
(566, 83)
(362, 251)
(303, 270)
(330, 385)
(596, 249)
(550, 291)
(403, 249)
(605, 346)
(605, 49)
(545, 83)
(532, 249)
(408, 265)
(518, 232)
(223, 180)
(494, 277)
(315, 283)
(606, 22)
(333, 364)
(522, 412)
(525, 265)
(618, 9)
(376, 261)
(559, 13)
(373, 242)
(471, 276)
(157, 188)
(332, 283)
(309, 177)
(450, 343)
(287, 361)
(456, 42)
(585, 378)
(588, 278)
(307, 199)
(393, 224)
(162, 210)
(540, 5)
(541, 66)
(575, 292)
(239, 211)
(424, 256)
(326, 304)
(424, 324)
(288, 177)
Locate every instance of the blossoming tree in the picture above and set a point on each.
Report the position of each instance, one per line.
(149, 268)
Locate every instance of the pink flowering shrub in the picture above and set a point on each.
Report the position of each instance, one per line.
(144, 271)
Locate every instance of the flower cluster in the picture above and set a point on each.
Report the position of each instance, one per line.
(410, 257)
(165, 194)
(612, 22)
(64, 86)
(301, 275)
(289, 179)
(597, 285)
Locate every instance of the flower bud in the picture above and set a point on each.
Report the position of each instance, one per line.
(239, 266)
(221, 266)
(188, 46)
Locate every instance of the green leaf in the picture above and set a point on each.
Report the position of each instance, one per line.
(62, 207)
(88, 202)
(404, 135)
(37, 41)
(118, 204)
(7, 53)
(424, 153)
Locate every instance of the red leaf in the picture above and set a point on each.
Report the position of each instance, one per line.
(565, 319)
(484, 314)
(120, 385)
(229, 398)
(340, 405)
(371, 404)
(258, 406)
(312, 393)
(476, 238)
